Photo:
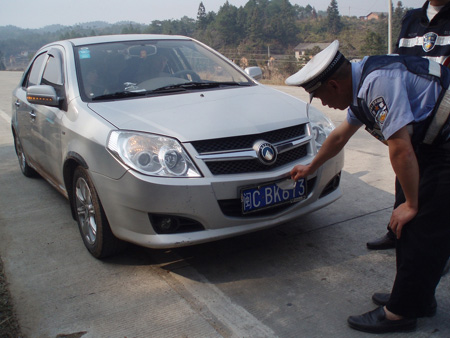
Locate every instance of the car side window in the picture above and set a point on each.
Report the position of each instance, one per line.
(53, 74)
(35, 71)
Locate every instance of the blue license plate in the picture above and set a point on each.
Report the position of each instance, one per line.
(271, 195)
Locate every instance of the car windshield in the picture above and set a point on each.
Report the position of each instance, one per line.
(152, 67)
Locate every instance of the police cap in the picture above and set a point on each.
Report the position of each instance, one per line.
(318, 69)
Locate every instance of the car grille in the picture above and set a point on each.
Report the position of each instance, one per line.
(246, 142)
(218, 164)
(251, 166)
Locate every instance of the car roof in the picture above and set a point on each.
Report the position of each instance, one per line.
(123, 37)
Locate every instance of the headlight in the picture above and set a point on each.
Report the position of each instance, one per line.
(151, 154)
(321, 126)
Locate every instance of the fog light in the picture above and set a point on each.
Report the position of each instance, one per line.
(331, 186)
(336, 181)
(168, 224)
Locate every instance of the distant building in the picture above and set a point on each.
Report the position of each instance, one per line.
(374, 16)
(302, 48)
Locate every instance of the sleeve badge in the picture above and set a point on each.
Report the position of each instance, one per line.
(379, 110)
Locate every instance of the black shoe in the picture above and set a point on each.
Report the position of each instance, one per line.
(382, 299)
(375, 322)
(383, 243)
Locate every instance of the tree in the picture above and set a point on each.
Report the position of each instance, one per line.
(333, 19)
(155, 27)
(130, 29)
(201, 17)
(373, 44)
(397, 17)
(281, 22)
(255, 26)
(253, 19)
(2, 64)
(226, 24)
(304, 13)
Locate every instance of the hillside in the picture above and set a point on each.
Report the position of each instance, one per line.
(263, 33)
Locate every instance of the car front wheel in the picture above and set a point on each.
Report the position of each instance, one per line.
(23, 163)
(92, 223)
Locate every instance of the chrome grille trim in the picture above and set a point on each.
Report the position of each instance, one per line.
(249, 154)
(233, 155)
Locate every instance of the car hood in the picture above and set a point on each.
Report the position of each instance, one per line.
(206, 114)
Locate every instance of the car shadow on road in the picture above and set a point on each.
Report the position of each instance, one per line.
(328, 236)
(333, 237)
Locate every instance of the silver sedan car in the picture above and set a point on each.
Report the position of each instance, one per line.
(163, 142)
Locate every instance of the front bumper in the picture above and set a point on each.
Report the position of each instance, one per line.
(130, 201)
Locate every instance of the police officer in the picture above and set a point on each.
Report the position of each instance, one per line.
(425, 32)
(404, 102)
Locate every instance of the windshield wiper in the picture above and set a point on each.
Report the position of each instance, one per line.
(232, 83)
(168, 89)
(199, 85)
(142, 92)
(119, 95)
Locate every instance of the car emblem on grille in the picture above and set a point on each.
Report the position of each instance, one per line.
(267, 154)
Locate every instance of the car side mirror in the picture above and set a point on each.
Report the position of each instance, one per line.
(43, 95)
(254, 72)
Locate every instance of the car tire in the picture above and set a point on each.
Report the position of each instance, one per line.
(23, 162)
(92, 222)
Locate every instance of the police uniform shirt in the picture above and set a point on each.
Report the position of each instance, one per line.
(394, 97)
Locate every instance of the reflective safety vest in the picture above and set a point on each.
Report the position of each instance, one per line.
(421, 37)
(436, 128)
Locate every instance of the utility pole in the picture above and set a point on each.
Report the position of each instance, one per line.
(390, 28)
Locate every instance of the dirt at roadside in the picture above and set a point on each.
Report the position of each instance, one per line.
(9, 327)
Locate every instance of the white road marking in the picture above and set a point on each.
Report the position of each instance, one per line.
(5, 116)
(229, 319)
(238, 320)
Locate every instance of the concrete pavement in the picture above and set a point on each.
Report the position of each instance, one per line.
(301, 279)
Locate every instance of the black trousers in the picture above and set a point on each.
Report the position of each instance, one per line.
(424, 246)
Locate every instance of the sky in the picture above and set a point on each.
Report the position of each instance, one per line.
(40, 13)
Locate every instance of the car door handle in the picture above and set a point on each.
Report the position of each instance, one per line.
(32, 115)
(17, 103)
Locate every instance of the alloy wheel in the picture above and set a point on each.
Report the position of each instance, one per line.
(86, 211)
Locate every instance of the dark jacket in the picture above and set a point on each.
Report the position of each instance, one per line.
(435, 34)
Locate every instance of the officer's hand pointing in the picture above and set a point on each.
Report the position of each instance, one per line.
(300, 171)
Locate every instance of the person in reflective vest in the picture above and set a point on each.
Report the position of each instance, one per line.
(424, 32)
(404, 101)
